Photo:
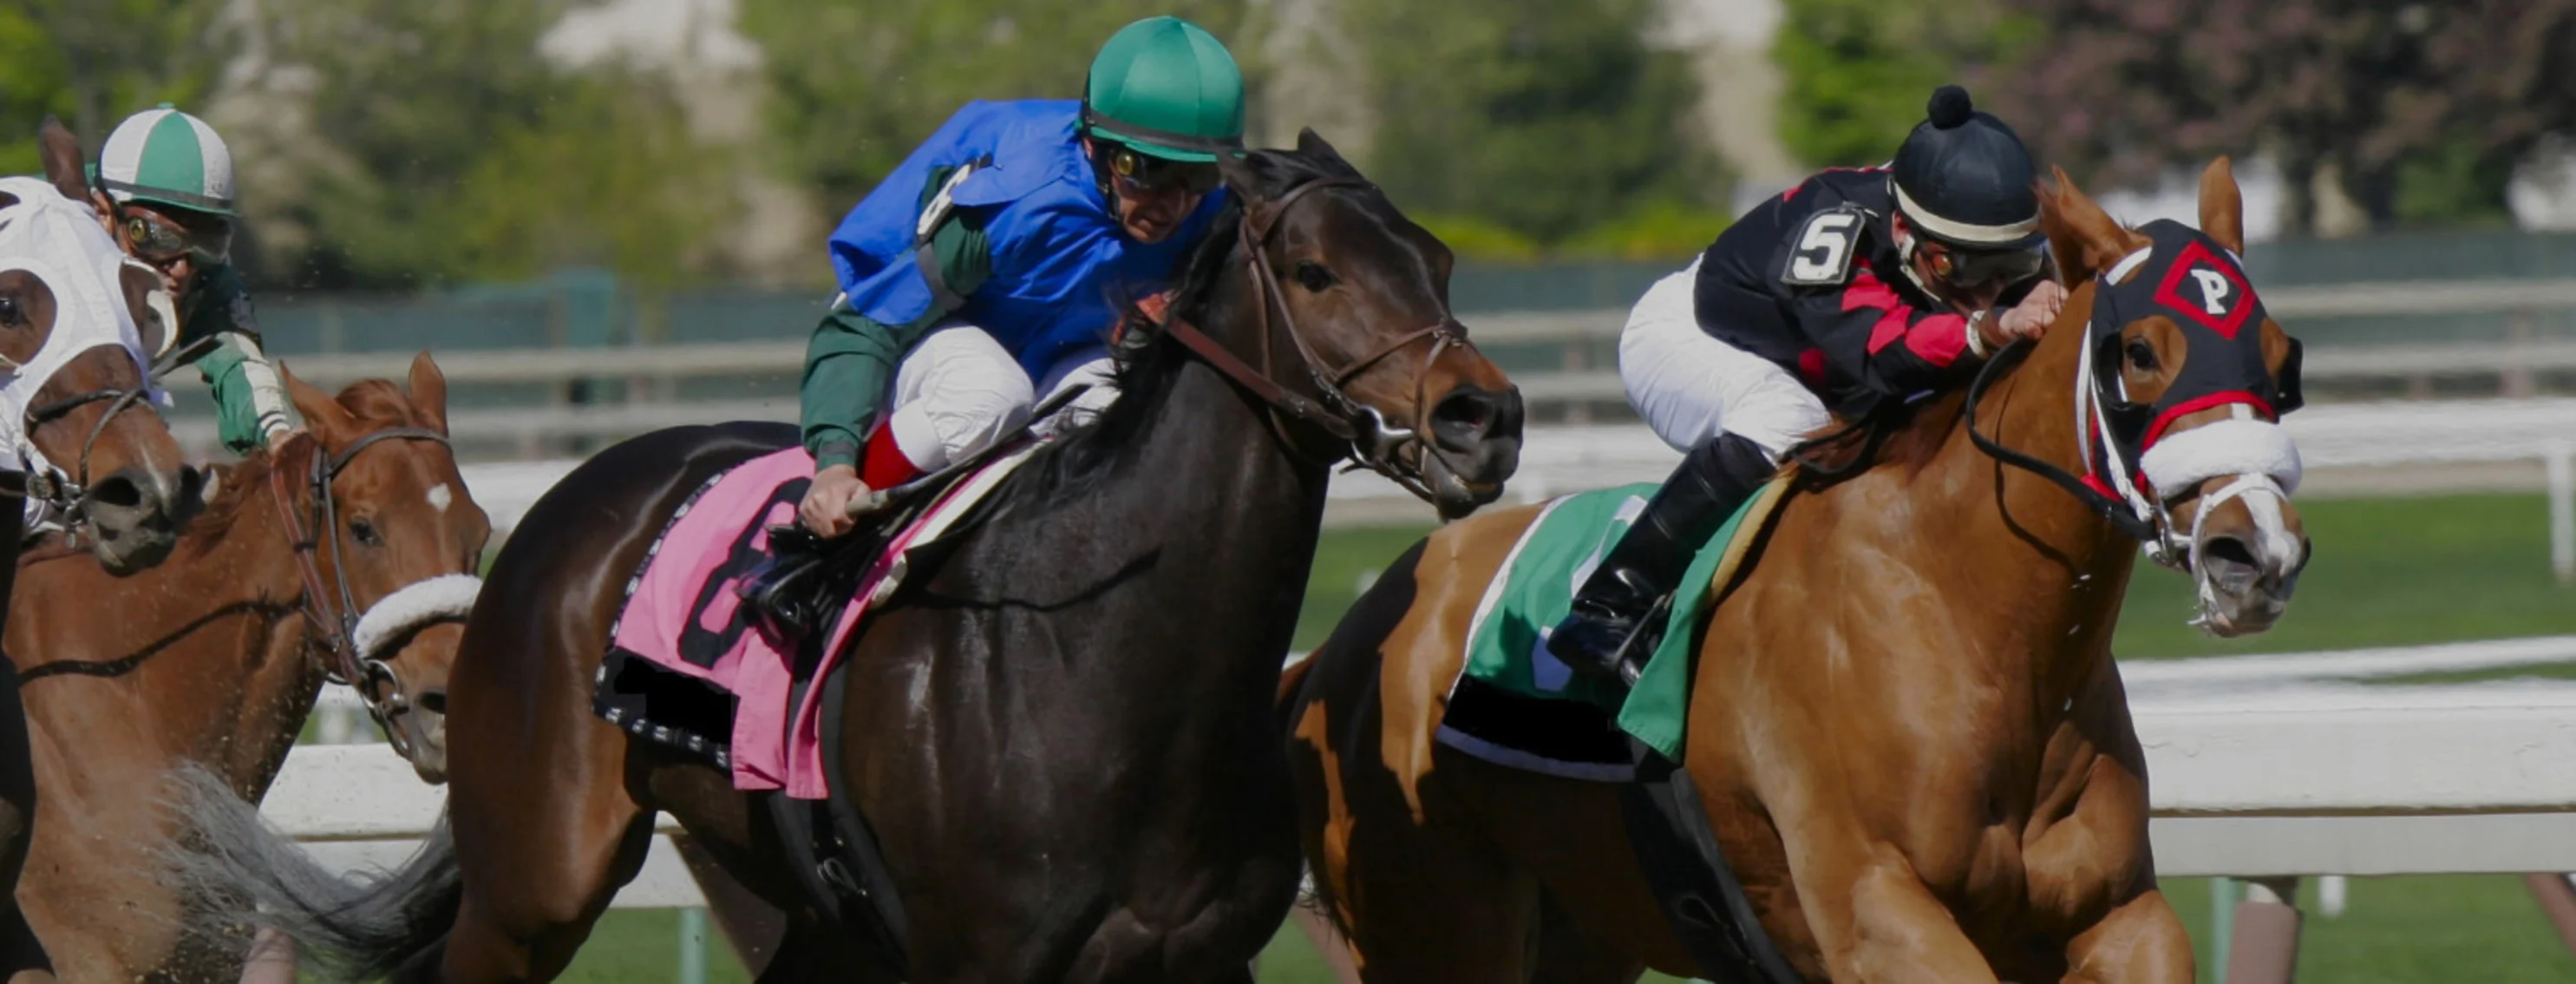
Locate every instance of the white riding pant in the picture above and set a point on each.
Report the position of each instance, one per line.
(1691, 387)
(958, 391)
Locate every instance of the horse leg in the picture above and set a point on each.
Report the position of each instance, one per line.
(1569, 953)
(1421, 900)
(525, 916)
(2142, 940)
(1873, 916)
(546, 822)
(2091, 873)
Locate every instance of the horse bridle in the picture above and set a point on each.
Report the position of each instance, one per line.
(1373, 444)
(361, 671)
(67, 493)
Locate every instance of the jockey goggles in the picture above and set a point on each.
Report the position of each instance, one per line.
(1148, 173)
(157, 239)
(1969, 269)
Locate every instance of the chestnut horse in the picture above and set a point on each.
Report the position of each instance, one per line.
(215, 657)
(78, 321)
(1905, 724)
(1060, 730)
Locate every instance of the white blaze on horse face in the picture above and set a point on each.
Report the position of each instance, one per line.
(439, 497)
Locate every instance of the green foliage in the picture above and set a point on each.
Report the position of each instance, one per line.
(857, 84)
(1857, 72)
(2453, 185)
(1539, 115)
(443, 147)
(92, 62)
(610, 178)
(1476, 238)
(1653, 231)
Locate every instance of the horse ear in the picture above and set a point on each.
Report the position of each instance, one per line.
(429, 391)
(2222, 206)
(329, 421)
(1311, 144)
(64, 162)
(1243, 175)
(2085, 239)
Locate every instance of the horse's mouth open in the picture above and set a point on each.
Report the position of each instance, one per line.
(1455, 494)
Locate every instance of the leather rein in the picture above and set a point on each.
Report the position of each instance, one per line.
(1372, 442)
(361, 671)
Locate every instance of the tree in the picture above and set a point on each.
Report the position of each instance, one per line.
(1858, 72)
(391, 142)
(91, 62)
(857, 84)
(2368, 92)
(1543, 117)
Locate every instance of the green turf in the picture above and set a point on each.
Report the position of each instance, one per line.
(2414, 930)
(2388, 572)
(631, 946)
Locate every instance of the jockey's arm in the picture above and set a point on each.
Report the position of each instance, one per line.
(851, 357)
(1871, 334)
(251, 408)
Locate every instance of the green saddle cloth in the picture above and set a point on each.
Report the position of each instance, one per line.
(1507, 638)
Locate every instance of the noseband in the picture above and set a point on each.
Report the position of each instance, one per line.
(68, 493)
(1371, 442)
(362, 671)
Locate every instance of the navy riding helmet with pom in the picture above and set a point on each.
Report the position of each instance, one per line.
(1964, 178)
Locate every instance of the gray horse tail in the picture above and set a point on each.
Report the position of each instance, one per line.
(386, 926)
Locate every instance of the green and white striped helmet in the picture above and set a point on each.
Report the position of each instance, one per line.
(163, 155)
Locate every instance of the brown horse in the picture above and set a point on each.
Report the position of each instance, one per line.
(1905, 724)
(77, 321)
(1059, 730)
(214, 659)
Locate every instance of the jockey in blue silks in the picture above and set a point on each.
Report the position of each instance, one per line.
(984, 274)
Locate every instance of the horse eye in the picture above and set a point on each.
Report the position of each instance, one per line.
(11, 314)
(2142, 355)
(365, 532)
(1313, 276)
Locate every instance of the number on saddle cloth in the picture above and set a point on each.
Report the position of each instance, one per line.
(728, 584)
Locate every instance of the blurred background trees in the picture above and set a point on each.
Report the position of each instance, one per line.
(387, 144)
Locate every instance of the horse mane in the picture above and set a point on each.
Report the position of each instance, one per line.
(377, 403)
(1087, 457)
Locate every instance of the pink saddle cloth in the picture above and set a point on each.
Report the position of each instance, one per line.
(684, 616)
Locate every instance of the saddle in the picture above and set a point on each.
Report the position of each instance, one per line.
(807, 577)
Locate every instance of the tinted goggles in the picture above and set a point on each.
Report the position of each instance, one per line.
(1147, 173)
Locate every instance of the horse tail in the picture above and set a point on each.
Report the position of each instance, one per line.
(387, 926)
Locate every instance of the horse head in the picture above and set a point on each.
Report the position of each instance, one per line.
(2185, 379)
(77, 319)
(403, 542)
(1363, 296)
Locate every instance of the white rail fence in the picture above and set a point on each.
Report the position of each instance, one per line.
(1568, 458)
(2269, 768)
(657, 369)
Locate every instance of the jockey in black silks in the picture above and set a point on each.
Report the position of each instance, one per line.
(1855, 287)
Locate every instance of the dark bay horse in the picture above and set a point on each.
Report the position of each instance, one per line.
(1060, 731)
(78, 322)
(1906, 725)
(213, 659)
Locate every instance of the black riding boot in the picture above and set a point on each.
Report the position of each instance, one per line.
(1608, 633)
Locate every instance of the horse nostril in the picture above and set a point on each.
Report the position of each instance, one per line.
(117, 491)
(2230, 562)
(1468, 412)
(435, 701)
